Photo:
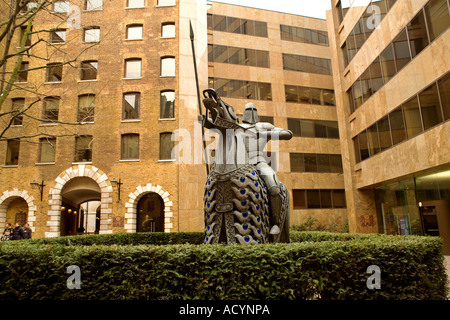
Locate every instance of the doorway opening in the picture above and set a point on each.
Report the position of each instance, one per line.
(150, 213)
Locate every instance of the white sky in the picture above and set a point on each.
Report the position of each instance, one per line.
(309, 8)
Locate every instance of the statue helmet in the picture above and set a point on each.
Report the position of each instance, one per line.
(250, 114)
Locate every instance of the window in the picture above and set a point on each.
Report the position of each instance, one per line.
(242, 89)
(89, 70)
(51, 109)
(430, 107)
(58, 36)
(412, 117)
(134, 32)
(83, 149)
(165, 146)
(297, 34)
(237, 25)
(401, 49)
(131, 103)
(306, 64)
(384, 133)
(92, 5)
(22, 33)
(315, 198)
(12, 152)
(167, 105)
(22, 75)
(387, 63)
(47, 148)
(61, 6)
(135, 4)
(397, 125)
(86, 108)
(164, 3)
(92, 34)
(130, 147)
(444, 91)
(54, 72)
(168, 30)
(438, 17)
(168, 67)
(18, 106)
(133, 68)
(311, 162)
(417, 33)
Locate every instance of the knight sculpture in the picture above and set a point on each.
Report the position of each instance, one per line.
(244, 201)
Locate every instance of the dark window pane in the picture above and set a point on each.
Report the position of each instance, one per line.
(401, 49)
(265, 91)
(165, 146)
(313, 198)
(262, 59)
(260, 29)
(328, 97)
(54, 72)
(167, 104)
(336, 163)
(412, 117)
(291, 93)
(430, 107)
(83, 149)
(219, 23)
(438, 17)
(22, 74)
(372, 135)
(384, 133)
(417, 33)
(47, 149)
(315, 95)
(233, 25)
(363, 145)
(323, 163)
(307, 128)
(397, 126)
(299, 197)
(12, 152)
(376, 75)
(294, 126)
(444, 92)
(130, 146)
(339, 199)
(286, 32)
(356, 148)
(320, 129)
(51, 108)
(131, 102)
(332, 130)
(387, 63)
(357, 94)
(297, 162)
(310, 163)
(89, 70)
(325, 199)
(304, 95)
(17, 107)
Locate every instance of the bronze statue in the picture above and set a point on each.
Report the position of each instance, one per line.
(244, 201)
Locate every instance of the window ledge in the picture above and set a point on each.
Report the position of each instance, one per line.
(135, 7)
(137, 39)
(130, 120)
(20, 82)
(44, 163)
(167, 76)
(91, 80)
(166, 119)
(56, 43)
(164, 6)
(53, 82)
(93, 10)
(168, 37)
(50, 124)
(137, 78)
(87, 122)
(167, 160)
(82, 162)
(129, 160)
(10, 166)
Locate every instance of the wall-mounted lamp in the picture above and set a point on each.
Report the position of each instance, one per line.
(35, 185)
(117, 184)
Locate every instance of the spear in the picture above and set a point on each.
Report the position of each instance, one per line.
(198, 94)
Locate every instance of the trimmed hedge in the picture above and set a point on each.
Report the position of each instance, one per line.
(313, 268)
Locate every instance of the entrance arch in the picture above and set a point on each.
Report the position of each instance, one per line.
(20, 197)
(75, 186)
(150, 213)
(131, 216)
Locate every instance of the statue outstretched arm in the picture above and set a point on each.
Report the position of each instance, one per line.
(269, 131)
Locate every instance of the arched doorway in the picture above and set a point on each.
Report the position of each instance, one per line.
(80, 200)
(73, 188)
(150, 213)
(17, 206)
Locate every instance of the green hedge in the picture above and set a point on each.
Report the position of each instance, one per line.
(312, 268)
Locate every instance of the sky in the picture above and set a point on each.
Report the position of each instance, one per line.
(309, 8)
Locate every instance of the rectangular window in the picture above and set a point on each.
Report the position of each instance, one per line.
(444, 92)
(298, 34)
(22, 34)
(417, 33)
(397, 125)
(89, 70)
(83, 149)
(299, 197)
(372, 136)
(297, 162)
(338, 197)
(86, 108)
(92, 34)
(61, 7)
(22, 75)
(131, 103)
(54, 72)
(438, 17)
(165, 146)
(412, 117)
(164, 3)
(12, 152)
(135, 4)
(92, 5)
(51, 109)
(363, 145)
(134, 32)
(167, 105)
(168, 67)
(47, 149)
(384, 133)
(133, 68)
(387, 63)
(294, 126)
(306, 64)
(319, 198)
(248, 89)
(58, 36)
(130, 147)
(430, 107)
(168, 30)
(401, 50)
(18, 106)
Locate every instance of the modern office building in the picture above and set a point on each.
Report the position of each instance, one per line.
(391, 62)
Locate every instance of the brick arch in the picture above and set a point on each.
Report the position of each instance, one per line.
(55, 198)
(8, 196)
(133, 199)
